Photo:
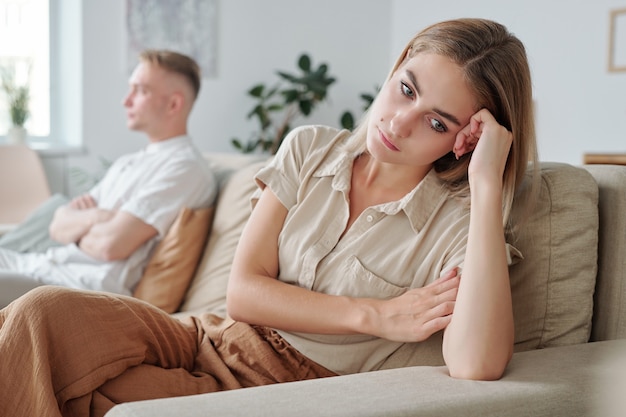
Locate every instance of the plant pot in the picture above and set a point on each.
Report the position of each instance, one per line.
(16, 135)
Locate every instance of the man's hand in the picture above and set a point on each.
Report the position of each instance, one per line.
(83, 202)
(72, 221)
(116, 238)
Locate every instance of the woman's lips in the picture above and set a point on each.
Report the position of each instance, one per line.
(386, 141)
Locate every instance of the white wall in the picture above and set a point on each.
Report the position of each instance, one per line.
(580, 106)
(255, 39)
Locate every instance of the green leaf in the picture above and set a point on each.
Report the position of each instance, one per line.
(305, 107)
(304, 63)
(275, 107)
(322, 69)
(237, 144)
(265, 120)
(347, 121)
(271, 93)
(256, 110)
(257, 90)
(290, 95)
(288, 77)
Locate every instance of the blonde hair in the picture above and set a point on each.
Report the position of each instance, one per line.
(177, 63)
(495, 67)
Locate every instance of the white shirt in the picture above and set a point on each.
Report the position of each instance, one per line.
(153, 185)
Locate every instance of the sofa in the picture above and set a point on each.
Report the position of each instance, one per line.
(569, 301)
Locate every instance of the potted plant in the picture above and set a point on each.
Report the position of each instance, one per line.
(276, 107)
(19, 100)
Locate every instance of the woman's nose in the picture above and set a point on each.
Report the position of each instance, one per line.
(402, 123)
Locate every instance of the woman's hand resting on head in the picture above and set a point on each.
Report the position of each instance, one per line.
(491, 143)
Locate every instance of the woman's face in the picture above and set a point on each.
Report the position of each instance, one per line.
(419, 111)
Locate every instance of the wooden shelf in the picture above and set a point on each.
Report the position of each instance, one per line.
(605, 158)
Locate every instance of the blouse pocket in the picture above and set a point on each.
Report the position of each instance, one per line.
(361, 282)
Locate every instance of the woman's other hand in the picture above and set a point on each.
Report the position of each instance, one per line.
(418, 313)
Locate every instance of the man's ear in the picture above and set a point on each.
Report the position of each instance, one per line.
(177, 102)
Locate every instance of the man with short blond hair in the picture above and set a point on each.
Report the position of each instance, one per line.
(108, 234)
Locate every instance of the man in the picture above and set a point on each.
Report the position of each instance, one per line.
(109, 233)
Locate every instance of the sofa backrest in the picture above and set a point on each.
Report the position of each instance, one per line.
(553, 285)
(207, 292)
(609, 317)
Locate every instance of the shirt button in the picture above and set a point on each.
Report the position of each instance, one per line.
(369, 218)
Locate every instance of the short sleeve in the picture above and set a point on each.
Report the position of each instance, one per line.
(281, 174)
(457, 258)
(302, 147)
(159, 200)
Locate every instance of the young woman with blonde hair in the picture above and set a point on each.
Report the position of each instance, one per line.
(351, 260)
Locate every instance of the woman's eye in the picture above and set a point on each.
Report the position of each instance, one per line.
(437, 126)
(406, 90)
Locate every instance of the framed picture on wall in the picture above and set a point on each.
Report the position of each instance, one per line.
(617, 41)
(185, 26)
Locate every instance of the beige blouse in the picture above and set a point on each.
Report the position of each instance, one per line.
(391, 247)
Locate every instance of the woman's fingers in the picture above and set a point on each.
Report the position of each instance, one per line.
(489, 141)
(420, 312)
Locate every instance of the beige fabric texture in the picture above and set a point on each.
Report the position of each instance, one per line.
(609, 319)
(208, 288)
(560, 382)
(173, 263)
(553, 286)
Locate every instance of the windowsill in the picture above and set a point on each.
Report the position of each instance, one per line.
(55, 149)
(51, 149)
(6, 227)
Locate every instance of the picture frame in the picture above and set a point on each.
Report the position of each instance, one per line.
(617, 41)
(185, 26)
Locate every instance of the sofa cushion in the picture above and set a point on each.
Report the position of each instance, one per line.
(32, 234)
(208, 288)
(553, 286)
(174, 261)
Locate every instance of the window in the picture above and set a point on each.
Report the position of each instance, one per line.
(25, 60)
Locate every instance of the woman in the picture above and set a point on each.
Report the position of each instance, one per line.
(352, 255)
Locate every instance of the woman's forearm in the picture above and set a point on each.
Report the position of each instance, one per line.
(478, 342)
(266, 301)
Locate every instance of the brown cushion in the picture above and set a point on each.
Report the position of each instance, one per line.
(174, 261)
(553, 285)
(208, 289)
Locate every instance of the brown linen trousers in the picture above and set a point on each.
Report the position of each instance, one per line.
(66, 352)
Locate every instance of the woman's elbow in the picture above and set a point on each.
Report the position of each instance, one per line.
(476, 373)
(234, 305)
(489, 369)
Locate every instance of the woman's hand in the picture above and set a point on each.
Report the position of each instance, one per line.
(491, 143)
(417, 314)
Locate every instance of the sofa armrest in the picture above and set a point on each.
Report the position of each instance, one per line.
(609, 316)
(560, 381)
(14, 285)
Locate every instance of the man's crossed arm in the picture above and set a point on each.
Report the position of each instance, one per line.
(107, 235)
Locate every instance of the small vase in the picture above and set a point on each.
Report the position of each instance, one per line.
(16, 135)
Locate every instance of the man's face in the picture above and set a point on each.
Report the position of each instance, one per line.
(147, 99)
